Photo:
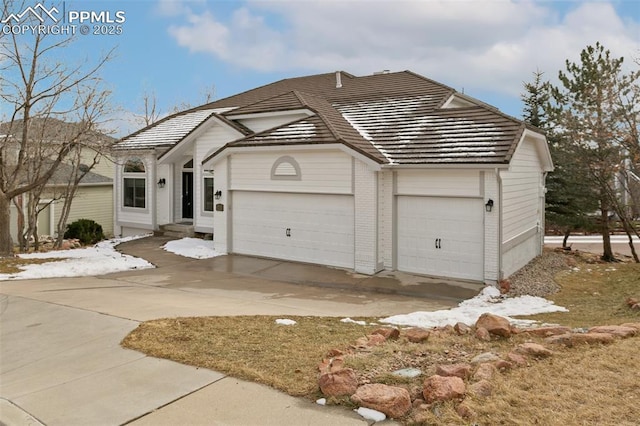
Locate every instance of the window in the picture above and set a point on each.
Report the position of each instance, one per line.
(208, 194)
(134, 184)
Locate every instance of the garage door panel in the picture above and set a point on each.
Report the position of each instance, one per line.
(441, 236)
(319, 227)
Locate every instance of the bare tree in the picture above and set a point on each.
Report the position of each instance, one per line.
(150, 113)
(38, 84)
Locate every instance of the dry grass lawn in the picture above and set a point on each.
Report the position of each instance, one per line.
(585, 385)
(11, 265)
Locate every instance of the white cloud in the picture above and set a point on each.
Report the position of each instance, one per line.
(482, 45)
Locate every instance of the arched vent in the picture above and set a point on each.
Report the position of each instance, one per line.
(286, 168)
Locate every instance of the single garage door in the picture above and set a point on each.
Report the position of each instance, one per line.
(441, 236)
(302, 227)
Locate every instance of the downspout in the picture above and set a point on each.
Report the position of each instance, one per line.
(543, 211)
(499, 178)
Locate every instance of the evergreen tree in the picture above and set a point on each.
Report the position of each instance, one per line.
(569, 199)
(587, 116)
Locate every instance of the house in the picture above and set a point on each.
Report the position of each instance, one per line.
(94, 196)
(388, 171)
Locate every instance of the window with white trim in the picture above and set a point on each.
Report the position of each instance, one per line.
(134, 184)
(208, 201)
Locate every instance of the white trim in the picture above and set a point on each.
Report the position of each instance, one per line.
(540, 142)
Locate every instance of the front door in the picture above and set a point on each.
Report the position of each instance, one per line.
(187, 195)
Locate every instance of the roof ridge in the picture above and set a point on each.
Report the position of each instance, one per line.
(273, 83)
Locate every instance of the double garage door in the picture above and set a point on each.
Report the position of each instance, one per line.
(314, 228)
(441, 236)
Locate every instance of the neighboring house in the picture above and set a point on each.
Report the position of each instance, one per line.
(389, 171)
(93, 200)
(94, 197)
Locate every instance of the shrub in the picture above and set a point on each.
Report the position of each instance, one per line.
(85, 230)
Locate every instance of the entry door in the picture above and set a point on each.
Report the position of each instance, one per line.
(187, 195)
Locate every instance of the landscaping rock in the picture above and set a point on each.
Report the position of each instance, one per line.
(534, 350)
(502, 365)
(482, 334)
(635, 325)
(454, 370)
(485, 371)
(338, 383)
(483, 389)
(465, 411)
(416, 335)
(389, 333)
(334, 352)
(571, 339)
(391, 400)
(438, 388)
(462, 328)
(494, 324)
(616, 330)
(517, 359)
(548, 331)
(484, 357)
(331, 365)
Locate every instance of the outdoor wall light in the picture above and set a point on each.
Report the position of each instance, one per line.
(218, 194)
(161, 183)
(489, 206)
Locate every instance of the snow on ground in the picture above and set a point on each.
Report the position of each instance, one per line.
(469, 311)
(195, 248)
(100, 259)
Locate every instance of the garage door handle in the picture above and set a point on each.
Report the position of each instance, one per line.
(438, 243)
(288, 232)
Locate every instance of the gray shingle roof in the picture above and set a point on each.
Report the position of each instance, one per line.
(166, 132)
(392, 118)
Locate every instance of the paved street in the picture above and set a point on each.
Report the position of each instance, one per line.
(593, 243)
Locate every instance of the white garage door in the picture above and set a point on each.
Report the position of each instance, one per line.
(441, 236)
(301, 227)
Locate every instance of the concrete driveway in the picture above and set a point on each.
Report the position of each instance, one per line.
(61, 362)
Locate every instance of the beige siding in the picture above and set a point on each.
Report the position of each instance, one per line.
(105, 165)
(522, 215)
(448, 183)
(521, 187)
(94, 203)
(329, 172)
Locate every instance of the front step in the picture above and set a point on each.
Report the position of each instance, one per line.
(177, 230)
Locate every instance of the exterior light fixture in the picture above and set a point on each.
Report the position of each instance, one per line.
(489, 206)
(218, 194)
(161, 183)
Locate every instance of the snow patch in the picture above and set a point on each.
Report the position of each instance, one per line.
(285, 321)
(370, 414)
(350, 321)
(194, 248)
(100, 259)
(468, 311)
